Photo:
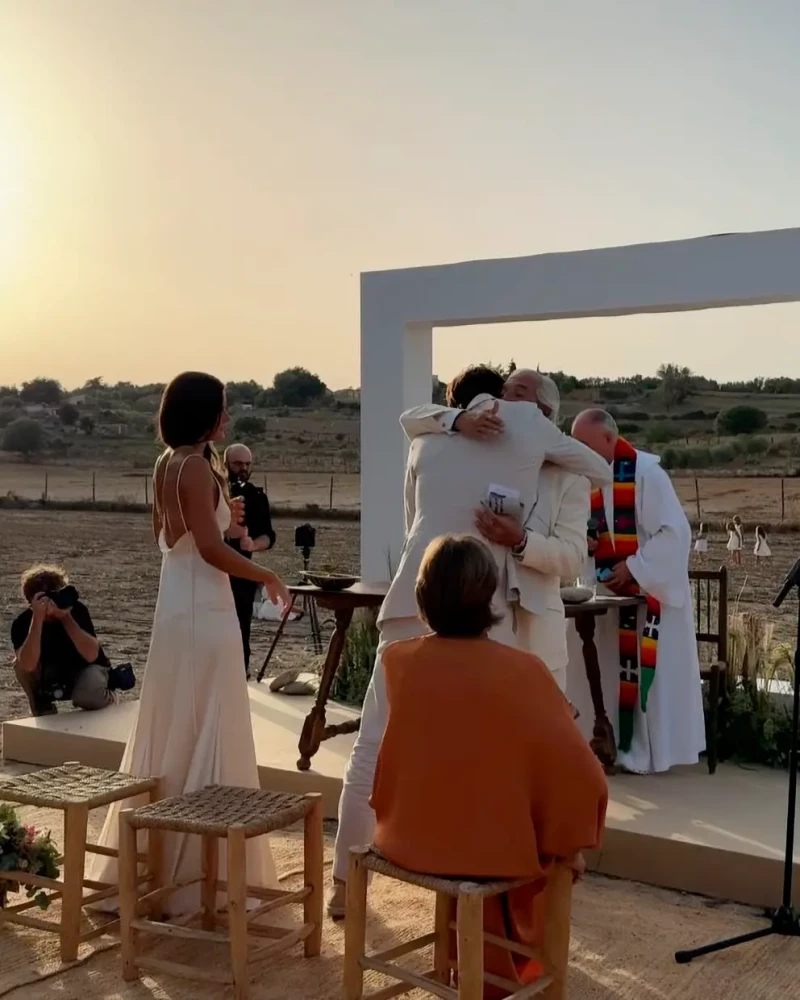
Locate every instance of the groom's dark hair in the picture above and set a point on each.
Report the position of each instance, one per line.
(474, 381)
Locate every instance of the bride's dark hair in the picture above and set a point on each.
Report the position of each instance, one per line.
(191, 409)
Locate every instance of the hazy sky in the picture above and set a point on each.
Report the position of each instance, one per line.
(198, 183)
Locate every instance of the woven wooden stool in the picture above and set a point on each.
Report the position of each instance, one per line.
(75, 790)
(468, 925)
(235, 814)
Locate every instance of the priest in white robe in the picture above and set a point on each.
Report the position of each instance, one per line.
(658, 686)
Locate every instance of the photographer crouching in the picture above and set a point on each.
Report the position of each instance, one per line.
(254, 534)
(57, 654)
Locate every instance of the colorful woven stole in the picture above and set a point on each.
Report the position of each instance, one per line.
(635, 681)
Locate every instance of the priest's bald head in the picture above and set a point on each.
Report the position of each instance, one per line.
(597, 429)
(530, 386)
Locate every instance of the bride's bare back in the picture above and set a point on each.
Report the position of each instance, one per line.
(186, 496)
(169, 482)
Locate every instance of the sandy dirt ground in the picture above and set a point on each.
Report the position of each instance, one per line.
(112, 560)
(114, 563)
(623, 939)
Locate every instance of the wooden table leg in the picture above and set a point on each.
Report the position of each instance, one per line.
(603, 742)
(314, 726)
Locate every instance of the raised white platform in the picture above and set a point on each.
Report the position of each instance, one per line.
(99, 738)
(720, 835)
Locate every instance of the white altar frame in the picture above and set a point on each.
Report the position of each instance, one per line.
(400, 308)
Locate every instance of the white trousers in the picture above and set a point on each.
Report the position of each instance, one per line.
(545, 636)
(356, 818)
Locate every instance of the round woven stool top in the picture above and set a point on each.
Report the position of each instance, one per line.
(213, 810)
(449, 885)
(73, 784)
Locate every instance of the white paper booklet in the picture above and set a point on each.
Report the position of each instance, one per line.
(503, 500)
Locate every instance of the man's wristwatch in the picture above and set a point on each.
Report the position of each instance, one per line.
(518, 550)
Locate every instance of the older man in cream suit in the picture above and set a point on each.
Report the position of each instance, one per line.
(447, 477)
(547, 547)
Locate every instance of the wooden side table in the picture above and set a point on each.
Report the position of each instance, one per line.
(75, 790)
(343, 603)
(604, 741)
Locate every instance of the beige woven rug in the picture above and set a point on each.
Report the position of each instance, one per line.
(624, 936)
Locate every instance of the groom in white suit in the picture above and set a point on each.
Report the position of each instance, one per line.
(447, 478)
(546, 548)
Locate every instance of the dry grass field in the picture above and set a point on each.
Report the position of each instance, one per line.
(115, 565)
(756, 500)
(77, 482)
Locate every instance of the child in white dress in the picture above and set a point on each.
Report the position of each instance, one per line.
(734, 543)
(701, 542)
(762, 549)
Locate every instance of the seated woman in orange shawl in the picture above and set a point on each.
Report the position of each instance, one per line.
(482, 772)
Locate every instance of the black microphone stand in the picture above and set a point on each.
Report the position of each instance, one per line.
(785, 920)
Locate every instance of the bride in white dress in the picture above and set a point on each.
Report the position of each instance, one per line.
(194, 727)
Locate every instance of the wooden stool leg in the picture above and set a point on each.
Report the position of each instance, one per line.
(155, 859)
(313, 870)
(237, 909)
(469, 920)
(127, 894)
(555, 942)
(355, 925)
(210, 876)
(76, 821)
(441, 947)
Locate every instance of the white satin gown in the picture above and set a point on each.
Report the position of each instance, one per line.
(194, 727)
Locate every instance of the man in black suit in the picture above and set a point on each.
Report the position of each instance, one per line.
(255, 534)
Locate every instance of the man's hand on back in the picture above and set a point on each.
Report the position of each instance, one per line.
(502, 529)
(479, 424)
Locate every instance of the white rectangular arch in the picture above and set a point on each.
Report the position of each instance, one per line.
(400, 308)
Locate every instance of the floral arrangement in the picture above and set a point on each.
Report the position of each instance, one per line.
(25, 849)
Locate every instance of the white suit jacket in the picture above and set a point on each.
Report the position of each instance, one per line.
(447, 478)
(555, 550)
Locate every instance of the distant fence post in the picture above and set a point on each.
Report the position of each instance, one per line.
(94, 487)
(330, 496)
(146, 491)
(697, 497)
(46, 485)
(783, 500)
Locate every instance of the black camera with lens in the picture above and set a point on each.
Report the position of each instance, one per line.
(236, 488)
(66, 598)
(305, 538)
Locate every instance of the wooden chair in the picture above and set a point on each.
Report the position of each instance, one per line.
(235, 815)
(75, 790)
(468, 926)
(710, 600)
